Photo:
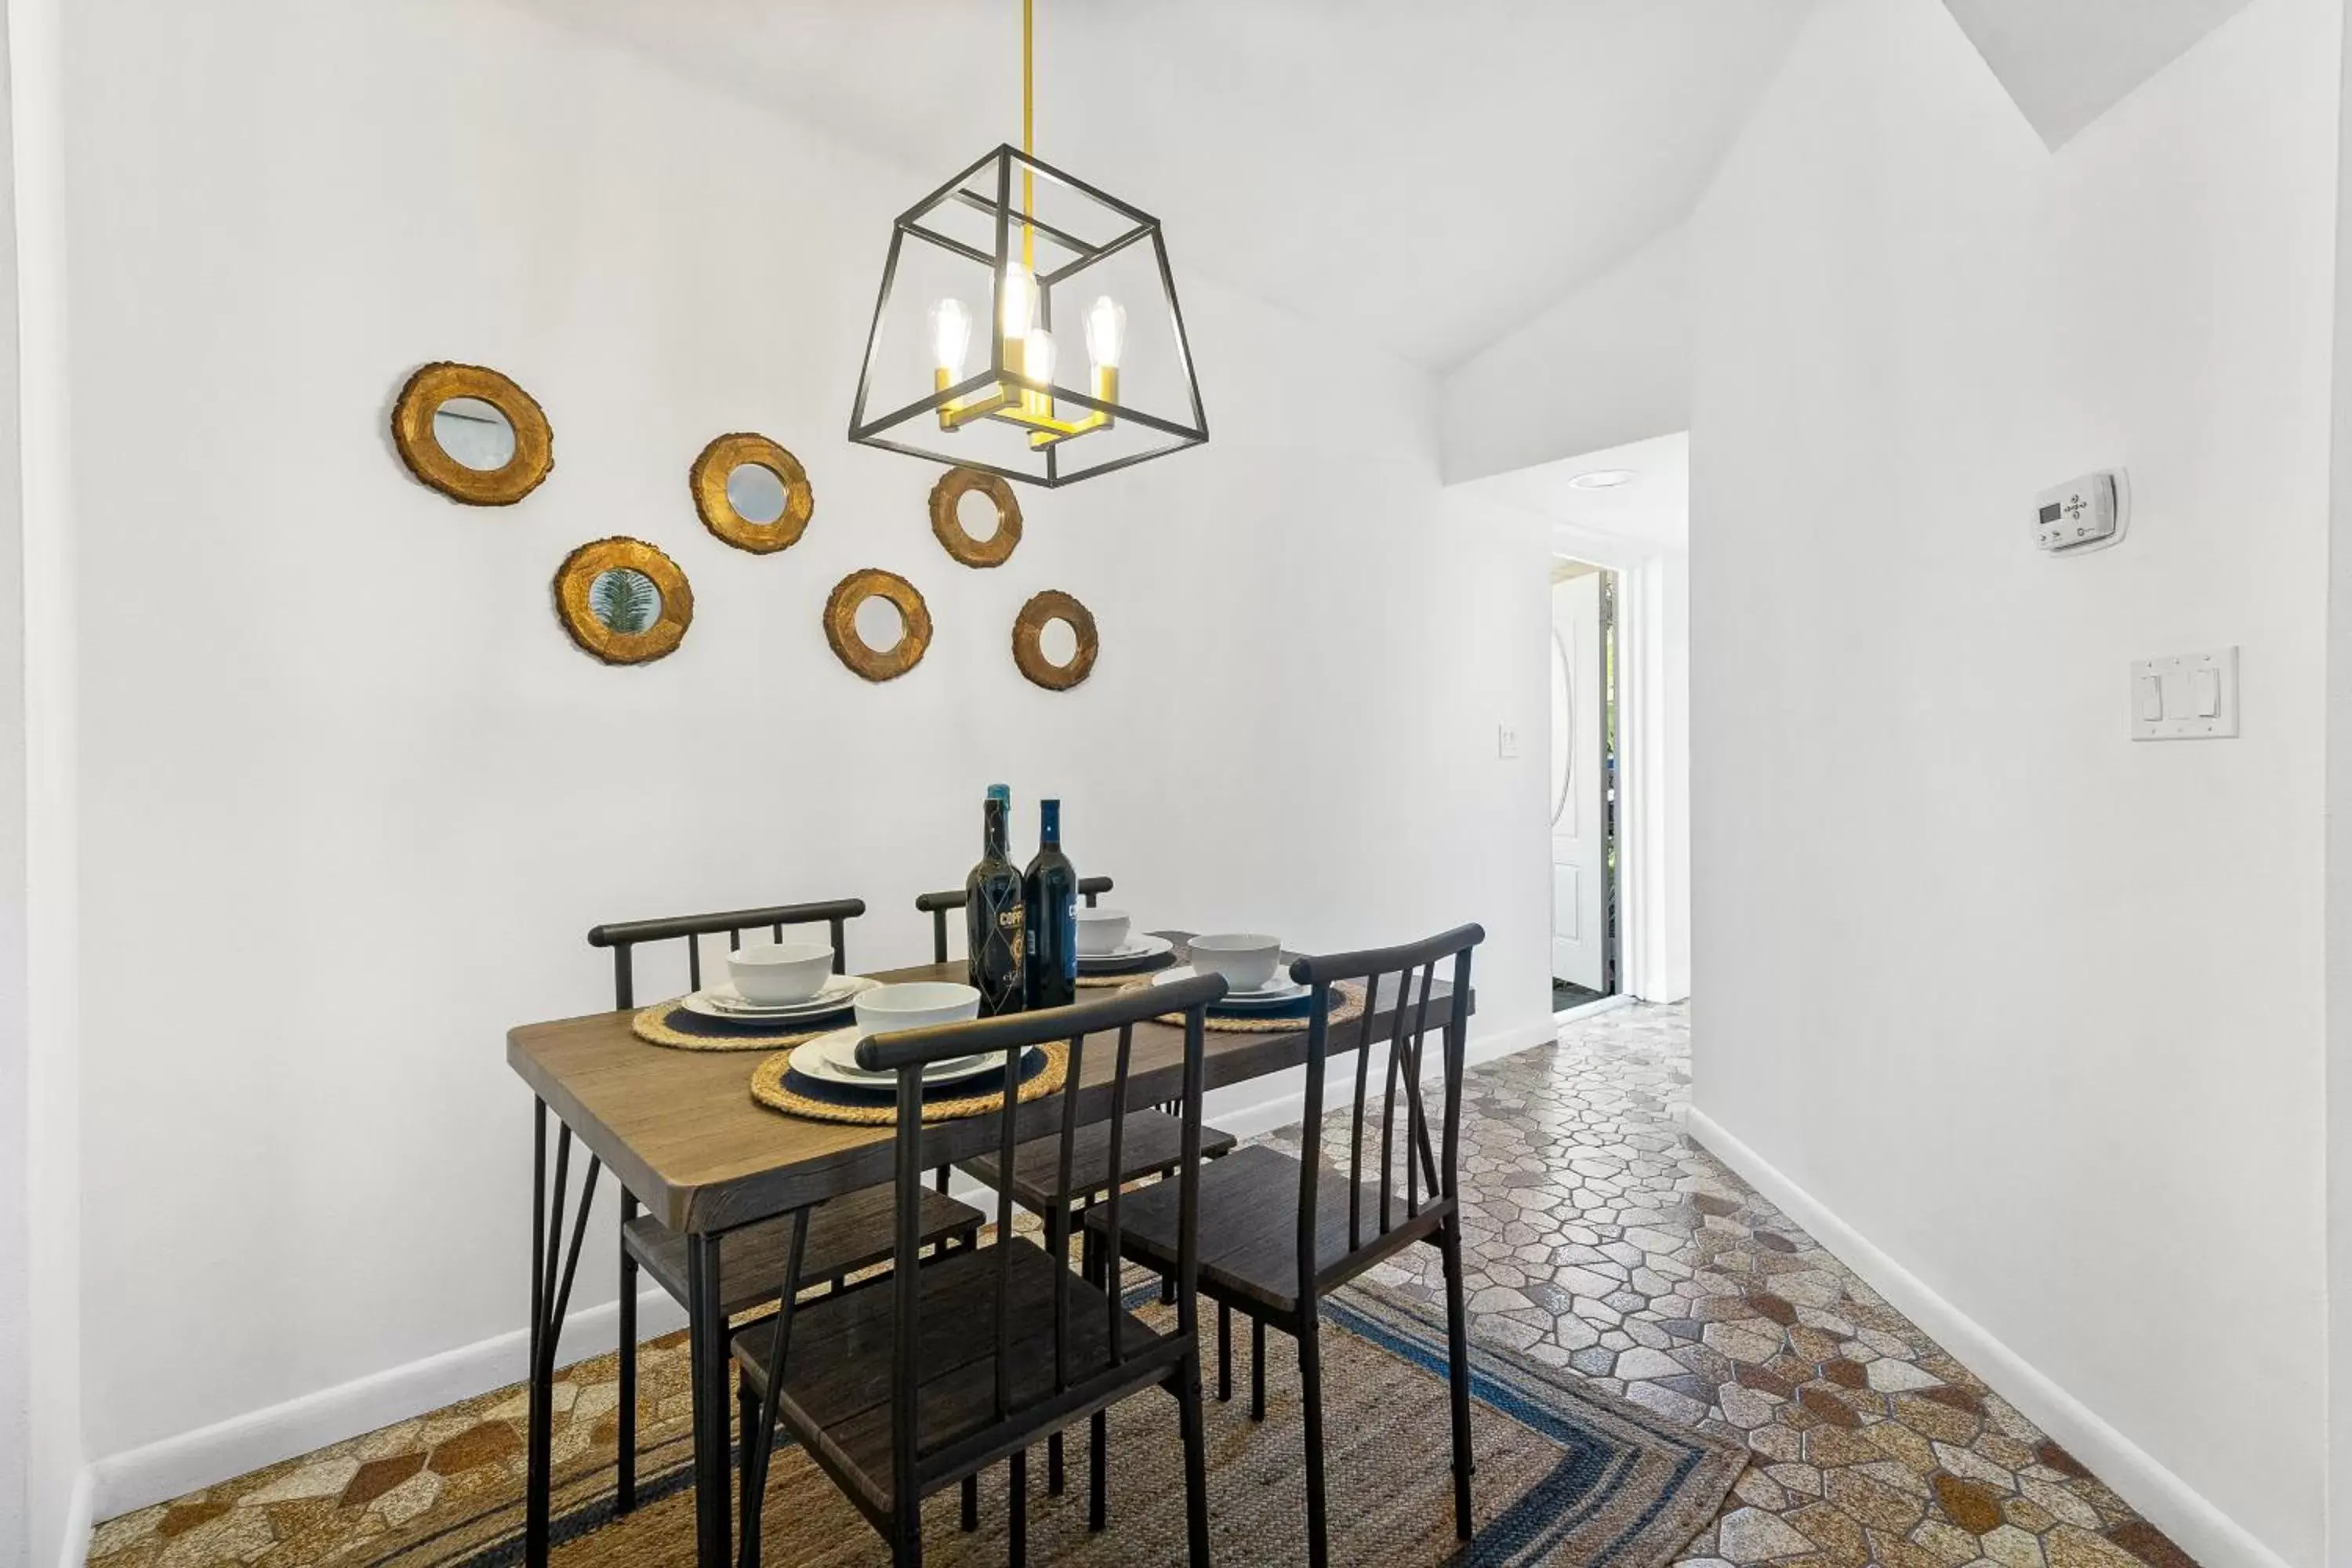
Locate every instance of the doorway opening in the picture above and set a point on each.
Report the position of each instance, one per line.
(1586, 784)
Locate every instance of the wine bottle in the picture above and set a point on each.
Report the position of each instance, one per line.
(1049, 896)
(994, 915)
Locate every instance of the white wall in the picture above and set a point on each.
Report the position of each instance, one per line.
(57, 1490)
(337, 752)
(2035, 1011)
(1607, 364)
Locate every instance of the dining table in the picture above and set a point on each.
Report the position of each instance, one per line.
(683, 1135)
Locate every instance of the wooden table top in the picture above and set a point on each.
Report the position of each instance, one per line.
(683, 1134)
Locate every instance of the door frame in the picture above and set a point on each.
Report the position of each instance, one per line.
(1647, 969)
(1591, 659)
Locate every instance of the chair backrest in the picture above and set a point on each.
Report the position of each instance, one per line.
(625, 937)
(1405, 978)
(907, 1052)
(938, 905)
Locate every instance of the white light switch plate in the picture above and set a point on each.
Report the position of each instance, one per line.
(1507, 740)
(2185, 697)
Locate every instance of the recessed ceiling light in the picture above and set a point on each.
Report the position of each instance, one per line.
(1602, 479)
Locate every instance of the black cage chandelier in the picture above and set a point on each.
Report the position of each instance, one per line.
(1045, 264)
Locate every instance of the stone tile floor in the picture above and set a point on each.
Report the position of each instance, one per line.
(1601, 1239)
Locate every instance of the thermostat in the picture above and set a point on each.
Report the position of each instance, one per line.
(2088, 513)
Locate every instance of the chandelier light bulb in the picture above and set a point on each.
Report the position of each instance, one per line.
(1020, 307)
(951, 335)
(1106, 331)
(1037, 357)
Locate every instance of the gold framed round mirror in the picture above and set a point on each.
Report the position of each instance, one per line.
(472, 434)
(623, 601)
(947, 522)
(752, 493)
(865, 609)
(1054, 618)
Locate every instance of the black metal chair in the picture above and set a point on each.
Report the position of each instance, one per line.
(893, 1409)
(939, 906)
(1150, 1148)
(1344, 1227)
(844, 1237)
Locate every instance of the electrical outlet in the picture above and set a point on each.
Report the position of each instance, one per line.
(1507, 740)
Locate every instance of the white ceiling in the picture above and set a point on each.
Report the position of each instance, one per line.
(1429, 176)
(1649, 513)
(2066, 62)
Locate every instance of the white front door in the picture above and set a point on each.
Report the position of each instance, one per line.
(1579, 875)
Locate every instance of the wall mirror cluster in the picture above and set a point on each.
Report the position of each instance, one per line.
(475, 435)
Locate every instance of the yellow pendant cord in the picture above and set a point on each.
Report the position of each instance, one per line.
(1028, 130)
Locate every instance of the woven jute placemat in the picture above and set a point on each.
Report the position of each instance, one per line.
(1349, 1007)
(773, 1085)
(668, 1024)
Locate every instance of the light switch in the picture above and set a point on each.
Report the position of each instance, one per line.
(1507, 740)
(2186, 697)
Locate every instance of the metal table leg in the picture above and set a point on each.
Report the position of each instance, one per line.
(706, 1336)
(552, 1264)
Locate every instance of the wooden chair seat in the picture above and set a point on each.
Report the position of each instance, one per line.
(1152, 1144)
(844, 1235)
(1249, 1229)
(837, 1379)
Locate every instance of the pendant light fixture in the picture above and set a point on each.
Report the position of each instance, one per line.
(1063, 294)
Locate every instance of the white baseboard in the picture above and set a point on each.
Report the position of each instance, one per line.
(2201, 1530)
(179, 1464)
(1592, 1009)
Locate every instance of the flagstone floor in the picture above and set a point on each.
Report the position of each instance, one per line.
(1600, 1239)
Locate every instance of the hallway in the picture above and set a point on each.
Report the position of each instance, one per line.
(1602, 1239)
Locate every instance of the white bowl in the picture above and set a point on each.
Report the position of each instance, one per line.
(916, 1005)
(779, 971)
(1101, 932)
(1247, 961)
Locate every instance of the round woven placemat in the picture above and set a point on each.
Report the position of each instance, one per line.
(653, 1026)
(1349, 1007)
(768, 1088)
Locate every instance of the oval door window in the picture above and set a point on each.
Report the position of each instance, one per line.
(1563, 728)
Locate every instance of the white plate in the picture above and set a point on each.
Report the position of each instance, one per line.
(1132, 951)
(833, 1059)
(724, 1000)
(1282, 988)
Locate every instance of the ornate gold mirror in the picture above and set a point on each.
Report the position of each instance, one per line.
(622, 600)
(877, 623)
(752, 493)
(948, 517)
(1054, 641)
(472, 434)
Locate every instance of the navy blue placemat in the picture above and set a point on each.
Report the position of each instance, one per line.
(1033, 1062)
(710, 1028)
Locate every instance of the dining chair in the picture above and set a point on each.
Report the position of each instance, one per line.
(843, 1237)
(1344, 1225)
(939, 906)
(1149, 1149)
(971, 1356)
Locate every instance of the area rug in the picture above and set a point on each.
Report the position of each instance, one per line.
(1567, 1475)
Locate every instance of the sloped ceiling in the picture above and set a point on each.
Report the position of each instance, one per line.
(1427, 176)
(2066, 62)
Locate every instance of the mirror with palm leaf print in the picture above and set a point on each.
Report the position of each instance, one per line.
(624, 600)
